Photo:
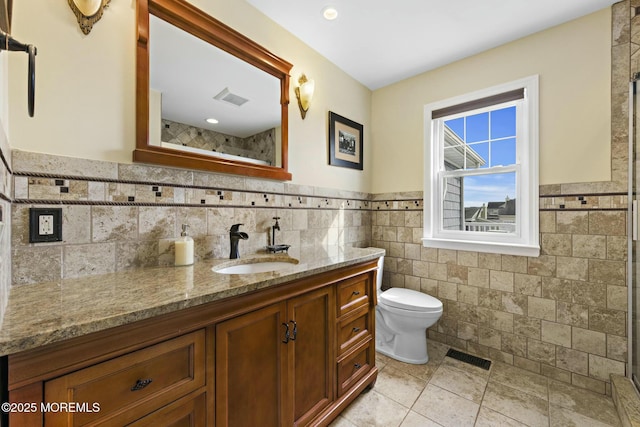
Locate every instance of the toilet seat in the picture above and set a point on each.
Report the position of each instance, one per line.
(410, 300)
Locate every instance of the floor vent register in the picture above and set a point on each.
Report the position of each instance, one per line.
(468, 358)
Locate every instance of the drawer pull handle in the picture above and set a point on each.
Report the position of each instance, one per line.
(355, 293)
(140, 384)
(286, 333)
(357, 366)
(356, 329)
(294, 333)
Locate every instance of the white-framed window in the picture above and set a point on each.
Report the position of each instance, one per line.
(481, 170)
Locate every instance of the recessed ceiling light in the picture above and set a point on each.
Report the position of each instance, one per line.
(330, 13)
(212, 121)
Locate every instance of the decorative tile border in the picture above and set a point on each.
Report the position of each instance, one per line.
(589, 201)
(611, 201)
(398, 205)
(71, 190)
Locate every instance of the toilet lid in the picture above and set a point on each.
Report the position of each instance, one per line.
(409, 299)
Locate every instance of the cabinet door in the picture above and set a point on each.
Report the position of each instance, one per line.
(311, 353)
(251, 368)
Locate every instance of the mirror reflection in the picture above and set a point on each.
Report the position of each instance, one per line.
(197, 74)
(204, 100)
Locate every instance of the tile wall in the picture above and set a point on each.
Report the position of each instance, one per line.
(5, 219)
(562, 314)
(120, 216)
(261, 146)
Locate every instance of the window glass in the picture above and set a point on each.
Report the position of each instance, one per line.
(476, 128)
(503, 123)
(489, 203)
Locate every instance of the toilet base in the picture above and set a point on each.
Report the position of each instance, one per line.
(388, 353)
(405, 348)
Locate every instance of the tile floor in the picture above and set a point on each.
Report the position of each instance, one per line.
(447, 392)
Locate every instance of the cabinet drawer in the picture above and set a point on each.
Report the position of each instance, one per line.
(353, 330)
(353, 367)
(186, 412)
(131, 386)
(353, 294)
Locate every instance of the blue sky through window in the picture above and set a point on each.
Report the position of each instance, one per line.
(491, 135)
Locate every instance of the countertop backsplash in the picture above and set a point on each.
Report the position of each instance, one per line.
(123, 216)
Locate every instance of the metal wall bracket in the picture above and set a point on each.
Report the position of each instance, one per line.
(9, 43)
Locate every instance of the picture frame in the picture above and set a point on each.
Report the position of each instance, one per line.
(345, 142)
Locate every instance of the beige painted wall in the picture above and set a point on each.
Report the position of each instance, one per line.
(86, 84)
(574, 64)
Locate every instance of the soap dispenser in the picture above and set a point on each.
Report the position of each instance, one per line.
(184, 248)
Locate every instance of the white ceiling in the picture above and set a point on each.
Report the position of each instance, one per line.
(379, 42)
(189, 73)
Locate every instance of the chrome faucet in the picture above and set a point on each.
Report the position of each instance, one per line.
(235, 235)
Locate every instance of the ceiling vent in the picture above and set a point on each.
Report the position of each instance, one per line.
(231, 98)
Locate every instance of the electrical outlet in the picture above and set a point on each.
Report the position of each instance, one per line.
(45, 225)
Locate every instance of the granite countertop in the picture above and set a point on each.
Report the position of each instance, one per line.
(44, 313)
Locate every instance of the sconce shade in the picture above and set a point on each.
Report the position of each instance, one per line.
(304, 93)
(88, 7)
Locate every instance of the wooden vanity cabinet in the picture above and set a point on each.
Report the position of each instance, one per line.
(295, 354)
(275, 357)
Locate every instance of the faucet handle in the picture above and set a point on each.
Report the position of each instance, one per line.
(235, 227)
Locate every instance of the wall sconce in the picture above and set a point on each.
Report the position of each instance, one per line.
(304, 93)
(88, 12)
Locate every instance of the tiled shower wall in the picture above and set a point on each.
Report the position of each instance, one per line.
(261, 146)
(118, 216)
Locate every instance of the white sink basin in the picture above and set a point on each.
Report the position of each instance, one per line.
(255, 266)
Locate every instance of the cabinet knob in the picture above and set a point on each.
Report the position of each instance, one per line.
(356, 329)
(355, 293)
(140, 384)
(357, 366)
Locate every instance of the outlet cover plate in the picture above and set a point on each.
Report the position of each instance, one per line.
(53, 219)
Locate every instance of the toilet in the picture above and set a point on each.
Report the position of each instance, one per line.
(402, 319)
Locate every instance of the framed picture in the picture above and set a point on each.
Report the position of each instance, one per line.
(345, 142)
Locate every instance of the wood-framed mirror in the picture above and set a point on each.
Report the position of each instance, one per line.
(172, 110)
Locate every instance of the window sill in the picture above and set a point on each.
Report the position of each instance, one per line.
(490, 247)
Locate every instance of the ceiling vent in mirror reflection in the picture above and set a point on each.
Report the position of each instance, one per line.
(226, 96)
